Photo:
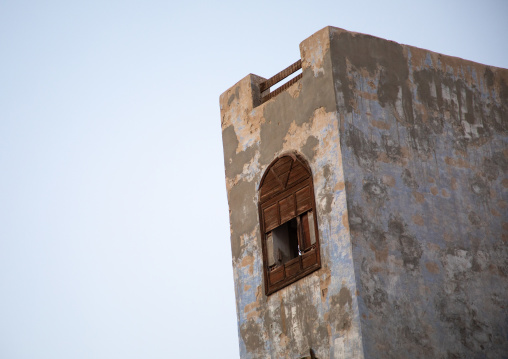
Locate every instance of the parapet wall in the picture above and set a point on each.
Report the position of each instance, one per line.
(409, 156)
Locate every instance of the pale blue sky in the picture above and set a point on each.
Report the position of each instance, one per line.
(114, 232)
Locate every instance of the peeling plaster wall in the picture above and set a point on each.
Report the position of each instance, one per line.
(409, 155)
(425, 157)
(319, 311)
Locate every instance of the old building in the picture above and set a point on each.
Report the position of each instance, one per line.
(368, 204)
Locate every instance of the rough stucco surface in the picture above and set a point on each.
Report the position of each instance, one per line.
(319, 311)
(425, 158)
(409, 161)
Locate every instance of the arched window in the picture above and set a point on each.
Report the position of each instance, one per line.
(288, 222)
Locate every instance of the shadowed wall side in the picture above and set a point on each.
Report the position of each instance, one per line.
(424, 143)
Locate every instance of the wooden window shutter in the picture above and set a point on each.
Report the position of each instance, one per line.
(287, 208)
(271, 217)
(305, 231)
(288, 222)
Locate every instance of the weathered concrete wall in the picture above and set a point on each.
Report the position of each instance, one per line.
(409, 156)
(319, 311)
(425, 157)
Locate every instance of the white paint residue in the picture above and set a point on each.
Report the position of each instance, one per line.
(316, 59)
(296, 327)
(339, 348)
(460, 262)
(251, 169)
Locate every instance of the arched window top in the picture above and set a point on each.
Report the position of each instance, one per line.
(288, 221)
(282, 174)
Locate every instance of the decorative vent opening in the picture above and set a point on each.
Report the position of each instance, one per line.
(292, 73)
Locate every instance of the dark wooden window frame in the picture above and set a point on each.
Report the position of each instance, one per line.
(286, 191)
